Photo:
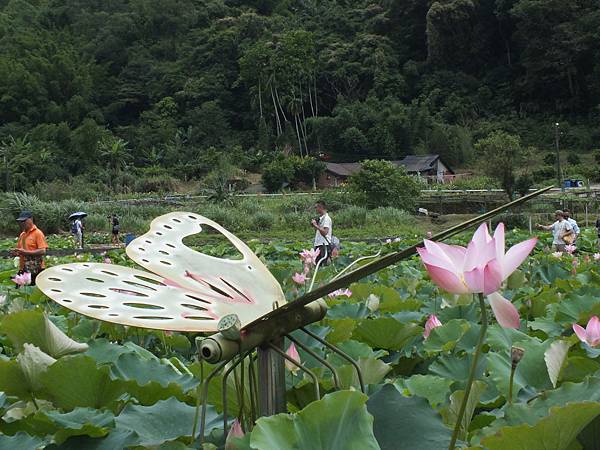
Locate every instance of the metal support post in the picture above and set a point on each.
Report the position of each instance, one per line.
(271, 386)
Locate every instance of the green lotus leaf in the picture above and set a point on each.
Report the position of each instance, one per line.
(33, 327)
(557, 431)
(79, 422)
(450, 413)
(104, 351)
(355, 350)
(373, 371)
(516, 280)
(445, 338)
(12, 379)
(435, 389)
(33, 362)
(385, 332)
(20, 441)
(164, 421)
(339, 421)
(341, 329)
(117, 439)
(589, 438)
(78, 381)
(578, 367)
(151, 380)
(406, 423)
(533, 411)
(455, 368)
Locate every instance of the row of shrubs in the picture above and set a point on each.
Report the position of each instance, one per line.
(85, 189)
(256, 214)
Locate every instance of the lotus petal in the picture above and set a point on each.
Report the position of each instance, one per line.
(505, 312)
(447, 280)
(516, 255)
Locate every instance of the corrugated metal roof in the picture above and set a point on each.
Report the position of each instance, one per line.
(343, 169)
(418, 163)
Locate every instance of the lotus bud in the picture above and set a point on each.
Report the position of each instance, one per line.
(516, 354)
(294, 355)
(372, 302)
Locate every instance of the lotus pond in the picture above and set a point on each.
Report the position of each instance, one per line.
(70, 382)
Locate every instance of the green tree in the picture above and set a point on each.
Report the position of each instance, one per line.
(220, 183)
(278, 173)
(16, 157)
(500, 156)
(381, 183)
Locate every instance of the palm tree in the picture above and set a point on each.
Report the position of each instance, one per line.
(116, 154)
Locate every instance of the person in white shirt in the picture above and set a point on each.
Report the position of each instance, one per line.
(560, 229)
(78, 232)
(573, 223)
(324, 227)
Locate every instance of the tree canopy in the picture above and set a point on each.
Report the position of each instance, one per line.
(104, 88)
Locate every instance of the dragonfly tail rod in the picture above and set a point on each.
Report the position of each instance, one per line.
(388, 260)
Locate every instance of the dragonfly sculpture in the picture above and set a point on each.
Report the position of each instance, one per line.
(238, 301)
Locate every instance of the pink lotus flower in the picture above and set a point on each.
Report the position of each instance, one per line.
(23, 279)
(479, 268)
(309, 257)
(597, 256)
(340, 293)
(575, 263)
(570, 249)
(234, 432)
(557, 254)
(432, 322)
(591, 333)
(299, 278)
(107, 260)
(293, 354)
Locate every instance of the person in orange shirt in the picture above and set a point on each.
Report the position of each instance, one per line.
(31, 246)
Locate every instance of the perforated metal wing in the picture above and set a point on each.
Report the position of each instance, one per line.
(185, 290)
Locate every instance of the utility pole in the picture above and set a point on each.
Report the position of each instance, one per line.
(556, 141)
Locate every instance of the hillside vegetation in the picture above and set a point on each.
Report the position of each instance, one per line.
(138, 95)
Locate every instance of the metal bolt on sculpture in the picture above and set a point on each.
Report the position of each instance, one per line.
(238, 300)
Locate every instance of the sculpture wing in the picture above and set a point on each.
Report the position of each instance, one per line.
(186, 290)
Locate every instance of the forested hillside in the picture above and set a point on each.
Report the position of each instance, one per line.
(121, 91)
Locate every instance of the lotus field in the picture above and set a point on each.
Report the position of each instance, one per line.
(490, 343)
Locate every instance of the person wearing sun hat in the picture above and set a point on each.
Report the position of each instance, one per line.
(31, 246)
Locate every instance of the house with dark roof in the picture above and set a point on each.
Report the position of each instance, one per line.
(430, 167)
